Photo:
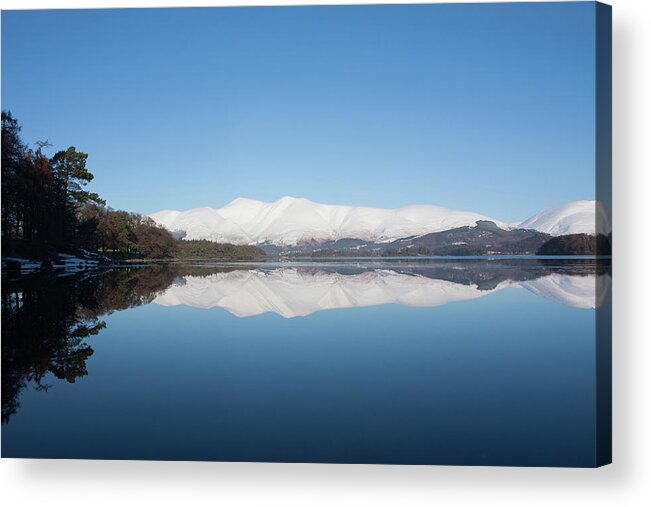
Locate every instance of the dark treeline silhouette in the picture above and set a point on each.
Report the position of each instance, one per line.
(40, 195)
(577, 244)
(46, 209)
(45, 206)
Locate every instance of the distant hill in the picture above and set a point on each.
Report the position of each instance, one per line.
(576, 244)
(486, 238)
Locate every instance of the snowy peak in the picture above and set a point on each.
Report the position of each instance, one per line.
(292, 221)
(577, 217)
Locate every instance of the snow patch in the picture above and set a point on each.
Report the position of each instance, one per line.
(577, 217)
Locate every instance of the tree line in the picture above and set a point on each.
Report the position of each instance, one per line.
(46, 209)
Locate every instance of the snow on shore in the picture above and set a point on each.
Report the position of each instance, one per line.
(63, 263)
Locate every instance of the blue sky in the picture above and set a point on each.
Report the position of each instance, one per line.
(485, 107)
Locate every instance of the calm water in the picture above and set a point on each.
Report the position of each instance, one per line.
(430, 362)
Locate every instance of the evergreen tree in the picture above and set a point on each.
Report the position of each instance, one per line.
(71, 176)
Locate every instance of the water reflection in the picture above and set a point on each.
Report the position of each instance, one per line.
(300, 291)
(43, 331)
(47, 323)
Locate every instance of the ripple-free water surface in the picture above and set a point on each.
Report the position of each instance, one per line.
(469, 364)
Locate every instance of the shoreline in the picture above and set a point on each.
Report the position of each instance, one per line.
(71, 265)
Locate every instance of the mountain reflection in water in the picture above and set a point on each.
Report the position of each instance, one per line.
(47, 322)
(295, 292)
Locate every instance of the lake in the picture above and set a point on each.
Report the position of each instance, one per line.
(406, 361)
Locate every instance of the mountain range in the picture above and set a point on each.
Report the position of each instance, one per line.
(292, 222)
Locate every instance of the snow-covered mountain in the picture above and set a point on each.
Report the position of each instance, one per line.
(572, 218)
(292, 293)
(293, 221)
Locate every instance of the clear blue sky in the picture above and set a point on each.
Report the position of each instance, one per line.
(485, 107)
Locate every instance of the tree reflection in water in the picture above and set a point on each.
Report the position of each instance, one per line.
(46, 322)
(42, 332)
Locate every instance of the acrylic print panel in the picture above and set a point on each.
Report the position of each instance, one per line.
(345, 234)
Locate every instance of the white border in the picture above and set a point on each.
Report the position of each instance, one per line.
(626, 482)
